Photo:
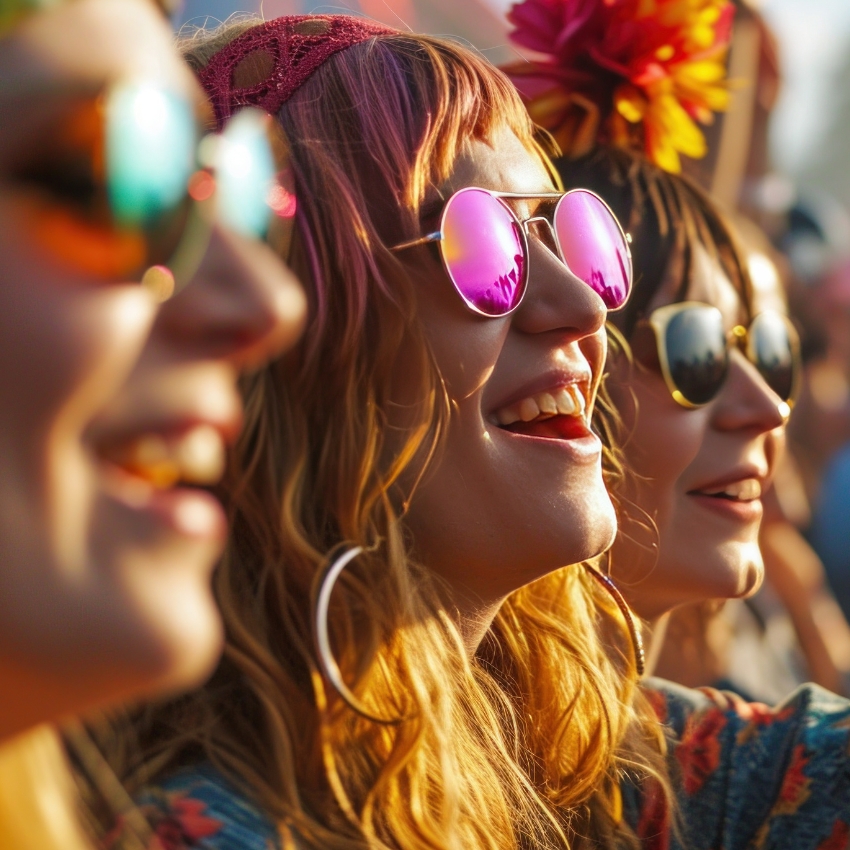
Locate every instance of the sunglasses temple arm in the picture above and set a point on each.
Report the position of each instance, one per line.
(422, 240)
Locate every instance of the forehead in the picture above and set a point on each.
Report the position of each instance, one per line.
(709, 284)
(501, 163)
(87, 43)
(768, 292)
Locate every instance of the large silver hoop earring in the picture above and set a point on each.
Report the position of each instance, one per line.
(631, 623)
(323, 586)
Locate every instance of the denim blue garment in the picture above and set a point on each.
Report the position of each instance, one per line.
(830, 531)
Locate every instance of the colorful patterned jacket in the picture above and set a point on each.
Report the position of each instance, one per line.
(749, 777)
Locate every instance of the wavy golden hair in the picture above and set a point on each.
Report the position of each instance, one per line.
(522, 745)
(38, 798)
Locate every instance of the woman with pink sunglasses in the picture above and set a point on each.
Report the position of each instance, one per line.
(407, 663)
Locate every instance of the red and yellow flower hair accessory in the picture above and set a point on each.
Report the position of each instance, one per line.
(630, 73)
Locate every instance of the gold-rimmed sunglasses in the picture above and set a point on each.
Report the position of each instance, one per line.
(693, 349)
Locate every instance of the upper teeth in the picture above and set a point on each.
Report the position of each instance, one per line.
(196, 457)
(565, 401)
(746, 490)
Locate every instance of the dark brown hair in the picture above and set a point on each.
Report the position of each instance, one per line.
(667, 216)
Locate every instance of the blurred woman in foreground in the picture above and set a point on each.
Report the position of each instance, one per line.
(115, 409)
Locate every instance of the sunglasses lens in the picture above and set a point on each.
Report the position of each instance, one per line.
(697, 357)
(245, 174)
(771, 348)
(594, 247)
(151, 139)
(483, 252)
(112, 198)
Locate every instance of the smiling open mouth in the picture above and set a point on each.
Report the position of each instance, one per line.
(195, 457)
(557, 414)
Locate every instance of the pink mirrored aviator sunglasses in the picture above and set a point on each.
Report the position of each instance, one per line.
(483, 245)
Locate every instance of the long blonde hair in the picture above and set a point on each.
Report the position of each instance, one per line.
(38, 798)
(521, 746)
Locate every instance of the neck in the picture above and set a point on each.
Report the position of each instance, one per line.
(654, 633)
(473, 616)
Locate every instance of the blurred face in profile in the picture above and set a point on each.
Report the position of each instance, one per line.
(115, 411)
(693, 503)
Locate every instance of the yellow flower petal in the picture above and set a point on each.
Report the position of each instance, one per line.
(663, 154)
(703, 71)
(630, 103)
(672, 120)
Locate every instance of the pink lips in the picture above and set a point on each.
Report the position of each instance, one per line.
(158, 463)
(744, 512)
(735, 496)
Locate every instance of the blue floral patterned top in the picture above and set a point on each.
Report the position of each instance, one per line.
(749, 777)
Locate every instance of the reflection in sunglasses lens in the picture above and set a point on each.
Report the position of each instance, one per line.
(770, 350)
(593, 246)
(695, 342)
(150, 152)
(245, 172)
(483, 252)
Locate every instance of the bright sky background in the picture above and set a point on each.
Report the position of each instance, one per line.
(814, 38)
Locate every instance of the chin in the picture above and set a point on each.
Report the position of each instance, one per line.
(178, 628)
(735, 572)
(591, 523)
(736, 577)
(600, 527)
(751, 576)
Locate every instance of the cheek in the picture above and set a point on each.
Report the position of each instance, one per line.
(465, 346)
(663, 440)
(66, 350)
(595, 348)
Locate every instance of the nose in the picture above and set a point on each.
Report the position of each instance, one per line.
(746, 402)
(556, 300)
(243, 305)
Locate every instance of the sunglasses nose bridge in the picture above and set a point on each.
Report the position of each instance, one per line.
(551, 243)
(739, 338)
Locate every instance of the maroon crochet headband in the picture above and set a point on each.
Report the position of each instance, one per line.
(291, 47)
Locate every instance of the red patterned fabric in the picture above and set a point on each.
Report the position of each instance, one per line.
(297, 46)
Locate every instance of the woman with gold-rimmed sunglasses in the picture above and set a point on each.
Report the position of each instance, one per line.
(127, 310)
(702, 374)
(714, 371)
(704, 384)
